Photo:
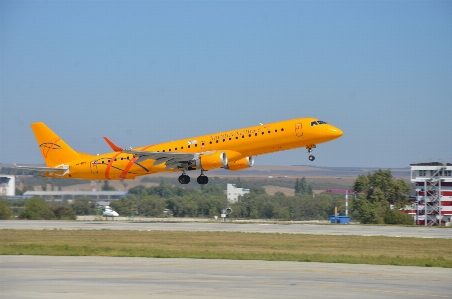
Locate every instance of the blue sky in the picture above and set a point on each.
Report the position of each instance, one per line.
(144, 72)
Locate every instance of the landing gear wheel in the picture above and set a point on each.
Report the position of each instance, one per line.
(202, 180)
(311, 158)
(184, 179)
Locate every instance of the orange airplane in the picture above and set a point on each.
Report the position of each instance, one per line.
(233, 150)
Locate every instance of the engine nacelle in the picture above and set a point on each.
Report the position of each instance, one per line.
(212, 160)
(243, 163)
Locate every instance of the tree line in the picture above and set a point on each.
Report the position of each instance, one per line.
(379, 196)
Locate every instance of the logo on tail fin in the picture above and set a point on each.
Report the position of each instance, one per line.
(49, 145)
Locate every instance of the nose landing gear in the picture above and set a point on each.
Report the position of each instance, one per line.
(309, 148)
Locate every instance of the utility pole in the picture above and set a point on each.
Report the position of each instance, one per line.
(346, 203)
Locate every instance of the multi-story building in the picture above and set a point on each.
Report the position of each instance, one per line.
(432, 204)
(7, 185)
(233, 192)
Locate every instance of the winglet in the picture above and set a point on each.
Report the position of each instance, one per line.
(113, 146)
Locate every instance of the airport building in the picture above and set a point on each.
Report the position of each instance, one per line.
(7, 185)
(432, 203)
(233, 192)
(99, 196)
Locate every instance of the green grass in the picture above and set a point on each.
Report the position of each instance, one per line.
(236, 246)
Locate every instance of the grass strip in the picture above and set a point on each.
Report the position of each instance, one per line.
(230, 245)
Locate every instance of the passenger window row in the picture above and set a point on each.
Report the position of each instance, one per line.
(249, 135)
(196, 145)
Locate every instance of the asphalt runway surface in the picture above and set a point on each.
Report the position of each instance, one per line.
(316, 229)
(110, 277)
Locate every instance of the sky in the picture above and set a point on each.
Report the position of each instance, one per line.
(145, 72)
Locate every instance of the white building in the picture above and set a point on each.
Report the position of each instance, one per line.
(7, 185)
(233, 192)
(106, 196)
(432, 204)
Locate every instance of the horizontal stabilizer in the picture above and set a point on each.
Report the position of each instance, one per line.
(63, 169)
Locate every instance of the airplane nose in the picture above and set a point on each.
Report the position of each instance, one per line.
(336, 132)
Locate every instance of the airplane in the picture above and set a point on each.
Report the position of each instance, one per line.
(109, 212)
(233, 150)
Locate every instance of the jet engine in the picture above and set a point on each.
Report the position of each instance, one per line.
(212, 160)
(243, 163)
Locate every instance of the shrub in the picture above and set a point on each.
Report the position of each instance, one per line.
(5, 210)
(397, 217)
(64, 213)
(37, 209)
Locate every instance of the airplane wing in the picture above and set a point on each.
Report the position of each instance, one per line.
(63, 169)
(172, 160)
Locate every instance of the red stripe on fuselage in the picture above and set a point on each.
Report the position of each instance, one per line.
(129, 165)
(127, 169)
(107, 170)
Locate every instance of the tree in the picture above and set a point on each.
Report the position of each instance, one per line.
(297, 186)
(106, 186)
(5, 210)
(124, 206)
(239, 183)
(19, 192)
(37, 208)
(64, 213)
(151, 206)
(301, 187)
(257, 190)
(213, 190)
(309, 191)
(398, 217)
(83, 206)
(139, 190)
(380, 191)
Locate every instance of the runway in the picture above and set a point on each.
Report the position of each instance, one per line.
(316, 229)
(109, 277)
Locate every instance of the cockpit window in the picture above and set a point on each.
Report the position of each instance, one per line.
(319, 122)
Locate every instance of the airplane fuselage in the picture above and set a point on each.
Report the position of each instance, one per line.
(236, 144)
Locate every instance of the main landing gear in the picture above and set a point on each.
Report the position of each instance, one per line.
(311, 157)
(202, 179)
(185, 179)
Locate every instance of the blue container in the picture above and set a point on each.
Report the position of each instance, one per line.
(339, 219)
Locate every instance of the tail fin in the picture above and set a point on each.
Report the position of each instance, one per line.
(54, 150)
